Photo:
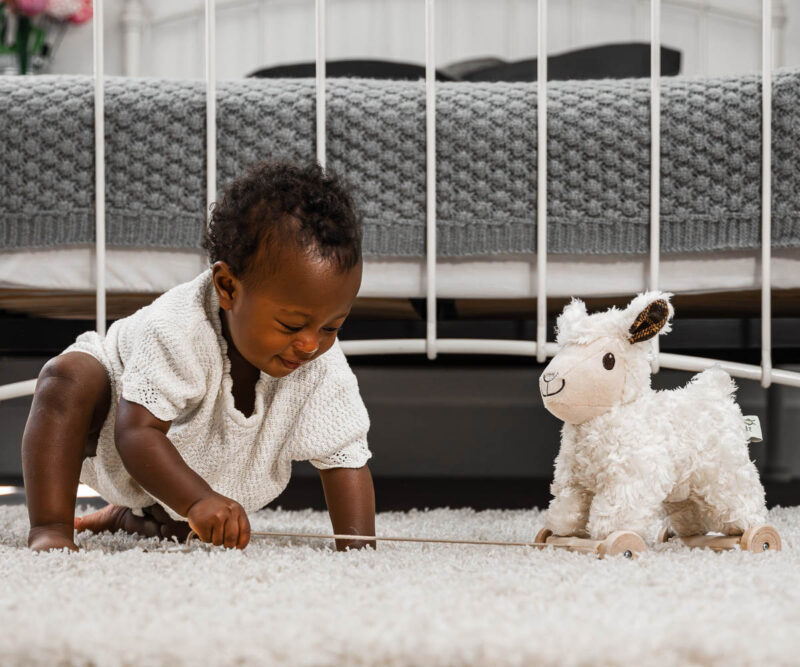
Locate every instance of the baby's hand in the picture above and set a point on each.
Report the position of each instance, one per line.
(220, 520)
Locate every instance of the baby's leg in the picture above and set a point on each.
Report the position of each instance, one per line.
(70, 404)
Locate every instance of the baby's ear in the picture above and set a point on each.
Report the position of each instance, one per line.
(650, 313)
(574, 312)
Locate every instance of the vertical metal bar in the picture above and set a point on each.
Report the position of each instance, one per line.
(511, 28)
(430, 171)
(211, 107)
(132, 22)
(655, 156)
(702, 40)
(320, 76)
(99, 171)
(261, 13)
(766, 193)
(778, 32)
(541, 176)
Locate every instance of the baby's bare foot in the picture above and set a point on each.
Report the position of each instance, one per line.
(116, 517)
(51, 536)
(110, 517)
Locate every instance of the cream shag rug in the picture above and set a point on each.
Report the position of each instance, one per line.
(125, 601)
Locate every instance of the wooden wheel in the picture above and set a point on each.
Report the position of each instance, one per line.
(622, 543)
(759, 539)
(664, 534)
(542, 535)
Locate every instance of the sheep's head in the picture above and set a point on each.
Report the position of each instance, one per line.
(604, 358)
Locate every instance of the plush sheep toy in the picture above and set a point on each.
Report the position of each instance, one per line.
(631, 455)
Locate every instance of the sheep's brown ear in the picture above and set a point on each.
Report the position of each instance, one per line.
(649, 322)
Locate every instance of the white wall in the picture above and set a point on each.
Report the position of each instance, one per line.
(265, 32)
(74, 56)
(792, 35)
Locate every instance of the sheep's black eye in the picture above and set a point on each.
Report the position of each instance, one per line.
(608, 361)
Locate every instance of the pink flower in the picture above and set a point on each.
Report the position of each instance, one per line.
(30, 7)
(83, 14)
(63, 9)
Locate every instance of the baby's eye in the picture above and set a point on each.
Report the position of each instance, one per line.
(332, 329)
(288, 328)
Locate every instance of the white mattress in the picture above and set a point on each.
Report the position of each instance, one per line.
(495, 277)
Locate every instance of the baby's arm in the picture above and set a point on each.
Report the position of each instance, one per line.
(351, 504)
(152, 460)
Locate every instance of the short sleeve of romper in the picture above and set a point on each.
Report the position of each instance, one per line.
(332, 428)
(164, 371)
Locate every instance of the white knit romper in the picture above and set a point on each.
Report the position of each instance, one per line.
(171, 358)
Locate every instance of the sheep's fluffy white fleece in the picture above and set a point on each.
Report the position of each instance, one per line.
(128, 601)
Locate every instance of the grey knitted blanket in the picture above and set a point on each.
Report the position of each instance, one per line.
(598, 160)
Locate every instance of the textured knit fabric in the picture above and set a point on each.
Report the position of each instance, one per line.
(171, 358)
(598, 160)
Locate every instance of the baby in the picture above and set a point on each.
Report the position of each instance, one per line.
(195, 406)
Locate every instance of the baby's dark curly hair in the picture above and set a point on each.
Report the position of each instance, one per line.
(276, 205)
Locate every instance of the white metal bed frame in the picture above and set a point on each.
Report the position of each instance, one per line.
(431, 345)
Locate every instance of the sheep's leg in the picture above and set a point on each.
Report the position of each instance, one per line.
(636, 507)
(686, 518)
(735, 502)
(569, 508)
(569, 511)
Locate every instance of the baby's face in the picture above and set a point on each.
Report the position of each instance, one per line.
(295, 314)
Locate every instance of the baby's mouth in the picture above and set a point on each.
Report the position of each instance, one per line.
(291, 365)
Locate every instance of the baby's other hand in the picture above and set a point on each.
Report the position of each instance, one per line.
(220, 520)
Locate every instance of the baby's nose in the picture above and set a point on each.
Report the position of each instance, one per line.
(307, 346)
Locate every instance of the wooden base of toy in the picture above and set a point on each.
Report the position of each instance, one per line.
(622, 542)
(756, 539)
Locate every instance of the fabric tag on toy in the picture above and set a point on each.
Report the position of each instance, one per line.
(753, 427)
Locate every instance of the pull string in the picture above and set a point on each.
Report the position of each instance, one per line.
(375, 538)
